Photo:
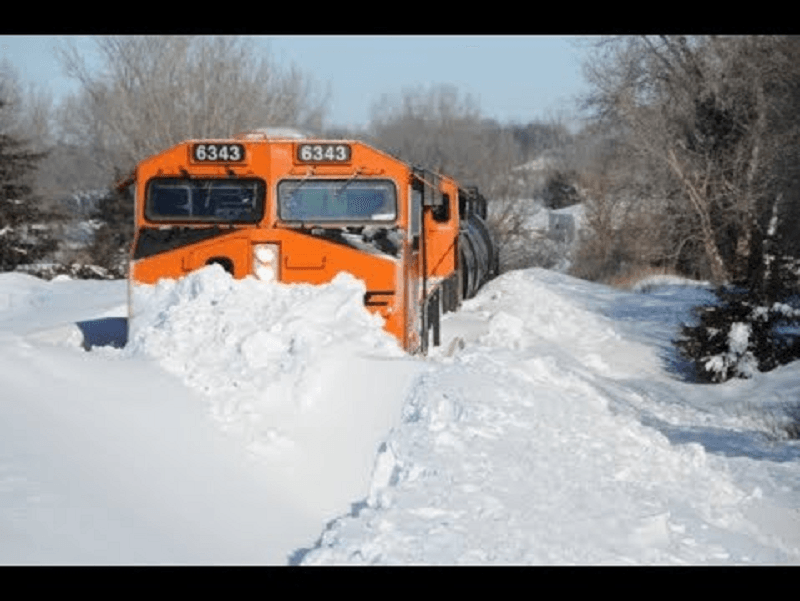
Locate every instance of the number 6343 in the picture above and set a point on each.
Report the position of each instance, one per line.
(218, 152)
(323, 153)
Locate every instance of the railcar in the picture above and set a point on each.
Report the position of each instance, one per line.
(296, 209)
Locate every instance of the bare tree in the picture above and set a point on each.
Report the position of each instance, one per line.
(28, 109)
(151, 92)
(704, 108)
(433, 127)
(154, 91)
(439, 128)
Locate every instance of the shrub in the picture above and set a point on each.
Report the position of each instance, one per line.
(75, 271)
(559, 189)
(791, 427)
(740, 335)
(112, 240)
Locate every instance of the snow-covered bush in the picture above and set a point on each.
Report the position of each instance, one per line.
(792, 427)
(75, 271)
(739, 336)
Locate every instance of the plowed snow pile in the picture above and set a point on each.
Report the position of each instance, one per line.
(529, 448)
(282, 367)
(263, 353)
(240, 417)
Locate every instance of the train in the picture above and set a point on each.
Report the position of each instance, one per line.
(291, 208)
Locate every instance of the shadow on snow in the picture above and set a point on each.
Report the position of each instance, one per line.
(107, 331)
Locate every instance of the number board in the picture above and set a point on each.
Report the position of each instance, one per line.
(218, 153)
(323, 153)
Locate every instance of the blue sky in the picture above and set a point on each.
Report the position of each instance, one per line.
(512, 78)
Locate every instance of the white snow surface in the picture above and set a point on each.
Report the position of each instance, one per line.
(244, 422)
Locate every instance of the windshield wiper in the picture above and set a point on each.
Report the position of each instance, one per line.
(347, 183)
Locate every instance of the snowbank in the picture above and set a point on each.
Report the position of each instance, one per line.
(239, 419)
(222, 335)
(539, 443)
(266, 355)
(243, 417)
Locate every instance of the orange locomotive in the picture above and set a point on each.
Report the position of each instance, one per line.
(300, 210)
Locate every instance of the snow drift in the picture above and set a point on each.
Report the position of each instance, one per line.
(238, 419)
(251, 422)
(262, 352)
(536, 445)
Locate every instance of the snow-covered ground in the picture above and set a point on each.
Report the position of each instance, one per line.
(248, 422)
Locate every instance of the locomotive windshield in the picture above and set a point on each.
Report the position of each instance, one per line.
(324, 200)
(207, 200)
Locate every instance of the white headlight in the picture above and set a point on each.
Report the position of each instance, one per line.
(265, 273)
(266, 259)
(265, 254)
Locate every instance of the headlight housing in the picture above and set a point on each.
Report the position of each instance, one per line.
(266, 261)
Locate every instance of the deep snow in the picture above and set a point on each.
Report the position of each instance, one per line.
(252, 422)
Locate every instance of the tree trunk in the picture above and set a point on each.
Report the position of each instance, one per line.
(719, 271)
